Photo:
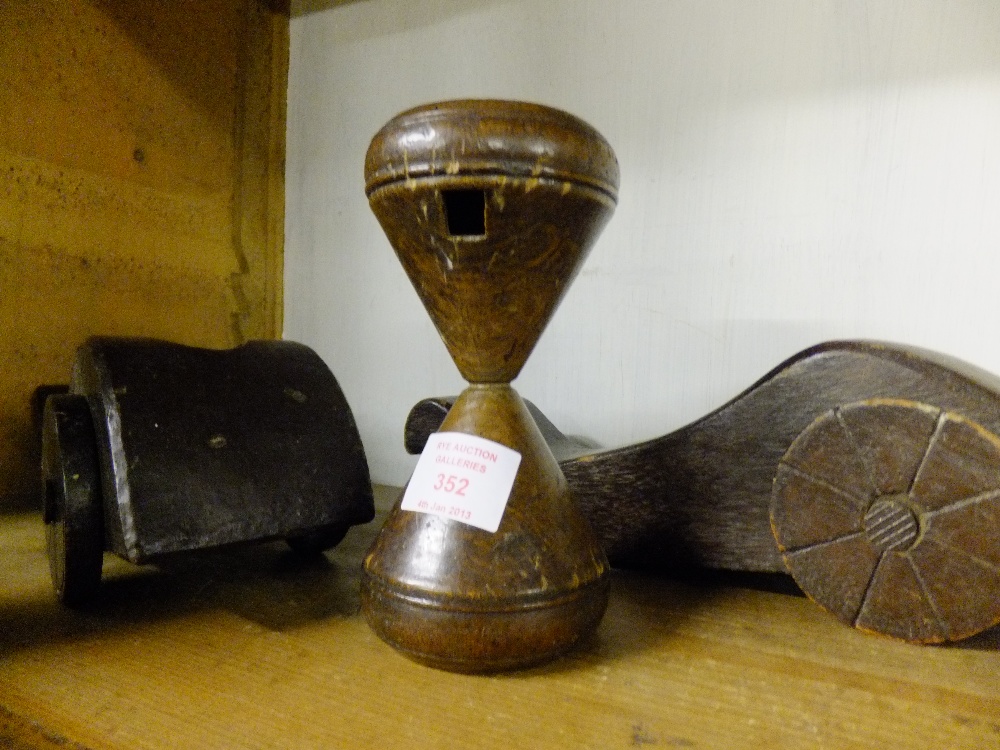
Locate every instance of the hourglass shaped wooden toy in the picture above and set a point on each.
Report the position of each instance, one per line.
(486, 563)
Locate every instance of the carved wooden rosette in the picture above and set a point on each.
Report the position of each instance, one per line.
(491, 208)
(882, 511)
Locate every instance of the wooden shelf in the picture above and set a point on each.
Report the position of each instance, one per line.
(251, 648)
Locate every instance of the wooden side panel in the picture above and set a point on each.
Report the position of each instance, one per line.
(141, 186)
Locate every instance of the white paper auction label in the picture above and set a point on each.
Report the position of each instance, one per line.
(463, 477)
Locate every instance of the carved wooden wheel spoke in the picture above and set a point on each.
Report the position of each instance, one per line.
(887, 513)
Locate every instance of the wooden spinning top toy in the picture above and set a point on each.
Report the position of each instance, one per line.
(486, 563)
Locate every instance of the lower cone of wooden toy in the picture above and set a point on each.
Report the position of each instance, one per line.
(460, 598)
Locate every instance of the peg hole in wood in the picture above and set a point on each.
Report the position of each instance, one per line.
(466, 212)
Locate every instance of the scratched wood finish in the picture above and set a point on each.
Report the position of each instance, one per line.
(491, 208)
(247, 648)
(836, 447)
(547, 184)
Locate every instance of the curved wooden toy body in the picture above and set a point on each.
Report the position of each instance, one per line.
(894, 434)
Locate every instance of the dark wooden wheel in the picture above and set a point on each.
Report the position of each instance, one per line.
(887, 514)
(74, 528)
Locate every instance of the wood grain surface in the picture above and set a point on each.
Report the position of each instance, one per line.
(491, 207)
(245, 648)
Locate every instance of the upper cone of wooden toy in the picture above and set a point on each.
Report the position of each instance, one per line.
(491, 207)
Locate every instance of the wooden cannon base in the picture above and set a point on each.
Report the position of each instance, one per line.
(869, 471)
(161, 449)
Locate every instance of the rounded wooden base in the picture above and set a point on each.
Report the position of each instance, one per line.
(476, 635)
(459, 597)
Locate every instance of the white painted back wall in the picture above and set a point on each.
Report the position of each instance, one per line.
(792, 171)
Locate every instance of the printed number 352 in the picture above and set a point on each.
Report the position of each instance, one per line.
(450, 483)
